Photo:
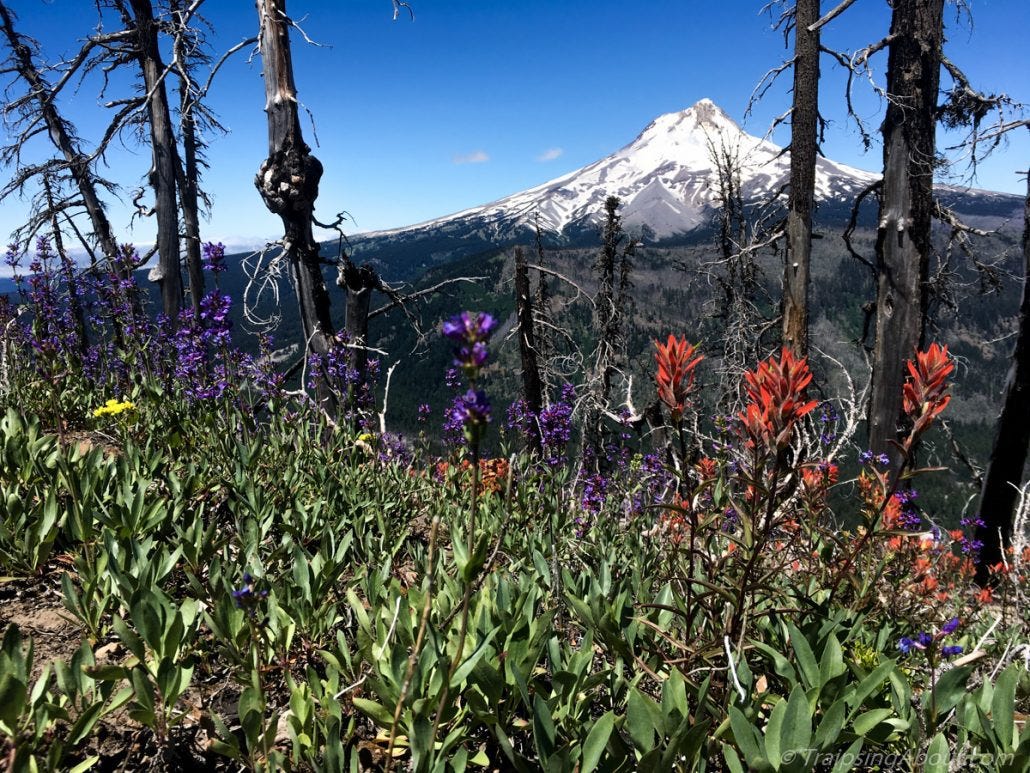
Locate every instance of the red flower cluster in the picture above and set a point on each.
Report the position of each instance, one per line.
(776, 391)
(676, 363)
(925, 392)
(493, 474)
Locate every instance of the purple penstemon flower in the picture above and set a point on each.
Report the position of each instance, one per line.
(469, 327)
(214, 257)
(470, 330)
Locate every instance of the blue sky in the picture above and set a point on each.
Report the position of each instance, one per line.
(472, 101)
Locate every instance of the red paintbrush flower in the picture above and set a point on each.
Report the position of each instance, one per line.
(925, 392)
(676, 362)
(776, 389)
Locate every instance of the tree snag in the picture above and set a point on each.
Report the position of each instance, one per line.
(903, 239)
(288, 179)
(532, 387)
(165, 167)
(1012, 436)
(801, 201)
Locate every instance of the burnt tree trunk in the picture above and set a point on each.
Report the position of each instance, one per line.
(532, 387)
(165, 159)
(803, 121)
(1012, 436)
(188, 172)
(288, 179)
(359, 281)
(903, 240)
(606, 320)
(62, 137)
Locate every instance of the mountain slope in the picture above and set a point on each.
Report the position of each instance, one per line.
(666, 181)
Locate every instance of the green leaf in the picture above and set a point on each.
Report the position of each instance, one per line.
(796, 732)
(867, 722)
(640, 720)
(829, 728)
(470, 662)
(543, 729)
(832, 664)
(1003, 704)
(85, 765)
(848, 759)
(869, 684)
(376, 711)
(774, 733)
(596, 740)
(747, 738)
(732, 760)
(781, 665)
(805, 656)
(938, 757)
(948, 691)
(85, 723)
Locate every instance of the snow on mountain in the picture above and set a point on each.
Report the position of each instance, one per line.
(668, 185)
(665, 178)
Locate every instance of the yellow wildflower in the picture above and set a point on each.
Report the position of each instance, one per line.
(113, 408)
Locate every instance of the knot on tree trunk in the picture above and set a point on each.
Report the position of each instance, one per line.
(357, 278)
(288, 181)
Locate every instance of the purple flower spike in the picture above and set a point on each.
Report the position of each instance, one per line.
(469, 327)
(950, 627)
(471, 330)
(476, 407)
(951, 650)
(906, 645)
(214, 257)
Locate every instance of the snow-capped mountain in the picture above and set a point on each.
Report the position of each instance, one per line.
(666, 179)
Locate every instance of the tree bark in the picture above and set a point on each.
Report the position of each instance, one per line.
(903, 242)
(288, 179)
(359, 282)
(532, 387)
(188, 172)
(803, 128)
(61, 137)
(165, 160)
(1012, 436)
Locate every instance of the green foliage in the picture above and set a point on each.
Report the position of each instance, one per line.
(314, 605)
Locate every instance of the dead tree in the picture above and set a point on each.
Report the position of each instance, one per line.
(612, 269)
(36, 112)
(903, 240)
(1004, 473)
(186, 49)
(288, 179)
(532, 386)
(804, 118)
(359, 282)
(165, 166)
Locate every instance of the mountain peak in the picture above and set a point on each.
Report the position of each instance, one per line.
(666, 179)
(694, 126)
(705, 113)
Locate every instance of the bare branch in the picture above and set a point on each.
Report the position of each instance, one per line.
(830, 16)
(765, 84)
(401, 300)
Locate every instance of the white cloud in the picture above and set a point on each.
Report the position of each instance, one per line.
(550, 154)
(475, 157)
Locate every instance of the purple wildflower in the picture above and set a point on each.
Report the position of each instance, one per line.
(214, 257)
